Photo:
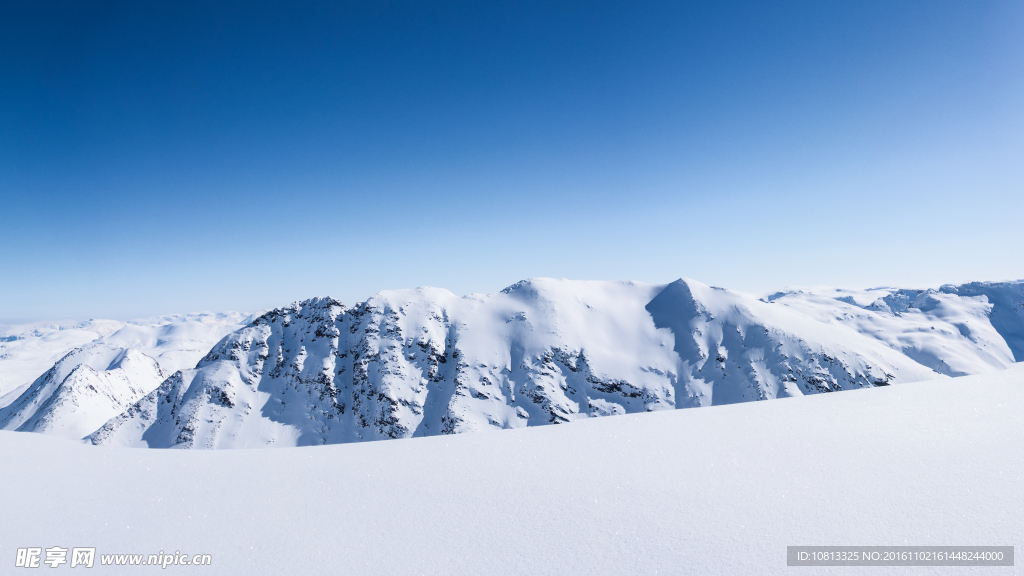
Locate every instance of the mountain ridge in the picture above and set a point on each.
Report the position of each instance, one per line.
(423, 361)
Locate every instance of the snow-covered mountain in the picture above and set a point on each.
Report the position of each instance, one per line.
(1007, 314)
(424, 362)
(177, 341)
(952, 334)
(101, 378)
(28, 350)
(82, 391)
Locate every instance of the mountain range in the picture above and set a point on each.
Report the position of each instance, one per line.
(424, 361)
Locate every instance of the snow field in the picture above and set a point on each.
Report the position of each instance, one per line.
(715, 490)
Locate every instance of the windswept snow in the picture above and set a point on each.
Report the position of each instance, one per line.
(720, 490)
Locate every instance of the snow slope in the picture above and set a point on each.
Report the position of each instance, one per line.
(176, 341)
(99, 380)
(82, 391)
(952, 334)
(1007, 316)
(28, 350)
(721, 490)
(424, 362)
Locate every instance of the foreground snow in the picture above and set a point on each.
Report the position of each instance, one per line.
(720, 490)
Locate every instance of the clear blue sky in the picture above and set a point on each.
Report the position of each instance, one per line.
(160, 157)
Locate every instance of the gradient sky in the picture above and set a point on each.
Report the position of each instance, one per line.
(183, 156)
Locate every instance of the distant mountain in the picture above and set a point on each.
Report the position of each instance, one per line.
(99, 379)
(424, 362)
(28, 350)
(952, 334)
(177, 341)
(1007, 313)
(82, 390)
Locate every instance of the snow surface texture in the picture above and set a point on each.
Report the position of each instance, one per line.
(100, 379)
(721, 490)
(424, 362)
